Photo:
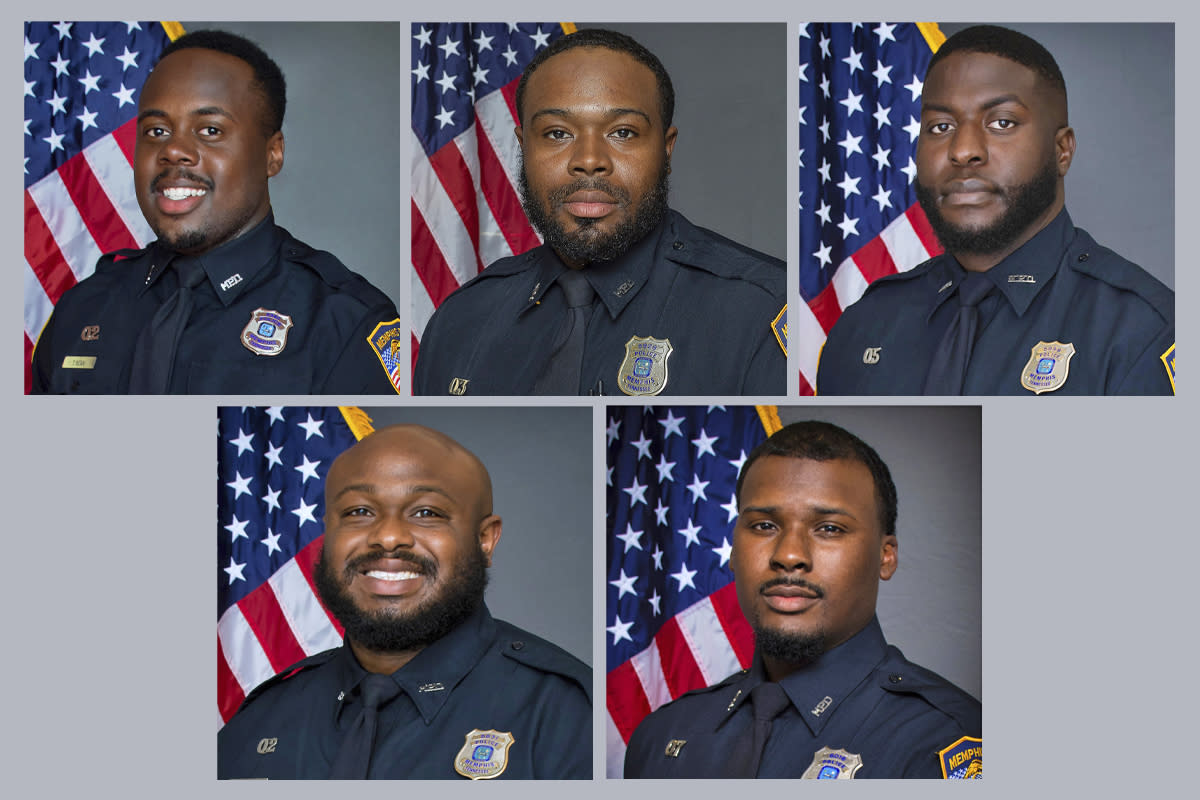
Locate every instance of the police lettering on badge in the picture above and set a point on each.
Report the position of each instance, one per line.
(830, 764)
(386, 340)
(963, 759)
(643, 373)
(266, 332)
(1047, 367)
(484, 754)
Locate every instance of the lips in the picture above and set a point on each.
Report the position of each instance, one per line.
(967, 192)
(179, 194)
(790, 598)
(590, 204)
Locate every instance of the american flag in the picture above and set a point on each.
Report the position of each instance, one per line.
(466, 211)
(672, 612)
(82, 81)
(271, 466)
(860, 109)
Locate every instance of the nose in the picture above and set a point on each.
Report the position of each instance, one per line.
(178, 149)
(390, 533)
(793, 551)
(590, 155)
(968, 145)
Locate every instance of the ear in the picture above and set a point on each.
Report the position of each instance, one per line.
(1064, 146)
(520, 134)
(489, 535)
(672, 132)
(274, 154)
(889, 557)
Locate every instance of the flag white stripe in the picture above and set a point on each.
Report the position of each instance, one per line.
(308, 621)
(492, 114)
(615, 750)
(441, 217)
(903, 243)
(37, 304)
(54, 202)
(848, 283)
(422, 305)
(706, 637)
(243, 652)
(115, 176)
(804, 328)
(647, 665)
(492, 244)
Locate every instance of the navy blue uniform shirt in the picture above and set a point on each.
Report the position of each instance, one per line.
(862, 697)
(720, 306)
(485, 675)
(87, 346)
(1069, 317)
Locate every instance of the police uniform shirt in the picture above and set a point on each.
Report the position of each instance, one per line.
(718, 305)
(264, 285)
(485, 676)
(861, 701)
(1068, 317)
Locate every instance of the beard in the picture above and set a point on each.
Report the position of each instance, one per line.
(459, 595)
(791, 648)
(586, 243)
(1025, 203)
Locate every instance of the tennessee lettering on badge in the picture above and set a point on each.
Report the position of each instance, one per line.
(1048, 366)
(643, 373)
(266, 333)
(962, 760)
(484, 755)
(386, 340)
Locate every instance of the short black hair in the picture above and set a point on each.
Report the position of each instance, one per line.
(268, 77)
(607, 40)
(1006, 43)
(824, 441)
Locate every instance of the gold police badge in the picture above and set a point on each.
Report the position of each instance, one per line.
(266, 333)
(484, 754)
(830, 764)
(643, 373)
(1047, 368)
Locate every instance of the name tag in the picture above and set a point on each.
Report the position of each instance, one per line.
(79, 362)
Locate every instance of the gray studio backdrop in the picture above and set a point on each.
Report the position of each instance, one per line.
(339, 189)
(1121, 96)
(540, 460)
(931, 608)
(728, 170)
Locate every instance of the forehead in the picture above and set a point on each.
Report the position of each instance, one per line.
(966, 78)
(591, 76)
(802, 482)
(197, 78)
(401, 460)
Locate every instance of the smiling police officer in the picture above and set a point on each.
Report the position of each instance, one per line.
(825, 696)
(225, 301)
(625, 296)
(1022, 302)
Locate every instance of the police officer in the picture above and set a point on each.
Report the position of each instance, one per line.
(1022, 302)
(825, 696)
(224, 300)
(625, 296)
(426, 684)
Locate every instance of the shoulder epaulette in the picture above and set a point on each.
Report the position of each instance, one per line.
(537, 653)
(1096, 261)
(283, 675)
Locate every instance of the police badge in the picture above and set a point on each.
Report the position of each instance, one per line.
(830, 764)
(1047, 368)
(266, 332)
(643, 373)
(484, 754)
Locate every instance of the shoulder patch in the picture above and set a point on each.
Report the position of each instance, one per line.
(963, 759)
(1168, 359)
(387, 340)
(779, 326)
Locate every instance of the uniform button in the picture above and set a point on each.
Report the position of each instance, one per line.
(895, 678)
(678, 245)
(1083, 256)
(293, 252)
(518, 645)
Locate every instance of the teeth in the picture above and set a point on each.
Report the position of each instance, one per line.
(179, 193)
(392, 576)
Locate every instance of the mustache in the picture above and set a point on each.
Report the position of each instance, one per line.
(560, 195)
(370, 561)
(180, 174)
(799, 582)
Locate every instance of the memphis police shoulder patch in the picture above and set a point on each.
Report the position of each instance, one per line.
(1168, 359)
(484, 754)
(386, 340)
(779, 326)
(963, 759)
(266, 333)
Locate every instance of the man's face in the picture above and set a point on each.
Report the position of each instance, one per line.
(408, 536)
(595, 154)
(808, 553)
(202, 157)
(993, 150)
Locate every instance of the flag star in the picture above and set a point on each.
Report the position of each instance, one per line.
(234, 570)
(824, 43)
(31, 50)
(854, 61)
(128, 59)
(613, 430)
(446, 117)
(308, 469)
(243, 442)
(915, 88)
(130, 27)
(94, 45)
(64, 29)
(271, 498)
(704, 444)
(803, 115)
(654, 600)
(608, 476)
(657, 556)
(27, 131)
(58, 104)
(850, 144)
(421, 73)
(825, 86)
(624, 584)
(240, 485)
(424, 36)
(824, 172)
(664, 468)
(731, 509)
(29, 88)
(275, 413)
(823, 254)
(304, 512)
(61, 65)
(446, 81)
(684, 576)
(620, 630)
(910, 170)
(660, 512)
(91, 83)
(484, 42)
(881, 116)
(271, 540)
(723, 551)
(690, 534)
(849, 225)
(803, 79)
(882, 157)
(804, 34)
(450, 48)
(884, 32)
(312, 427)
(849, 186)
(883, 197)
(800, 160)
(480, 75)
(510, 55)
(883, 74)
(55, 141)
(739, 462)
(697, 487)
(237, 529)
(273, 452)
(912, 128)
(671, 425)
(636, 492)
(540, 39)
(512, 27)
(643, 445)
(631, 538)
(124, 96)
(853, 102)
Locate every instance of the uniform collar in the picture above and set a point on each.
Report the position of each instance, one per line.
(231, 267)
(817, 690)
(434, 673)
(1022, 275)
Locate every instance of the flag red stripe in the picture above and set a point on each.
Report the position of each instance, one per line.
(679, 666)
(265, 617)
(737, 630)
(920, 223)
(825, 307)
(97, 211)
(229, 691)
(431, 266)
(502, 198)
(126, 137)
(509, 90)
(28, 360)
(627, 703)
(306, 560)
(873, 260)
(451, 168)
(43, 255)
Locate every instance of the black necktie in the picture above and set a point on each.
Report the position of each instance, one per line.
(948, 369)
(561, 375)
(354, 756)
(154, 352)
(768, 699)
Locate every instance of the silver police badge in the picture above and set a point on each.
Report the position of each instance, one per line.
(830, 764)
(1047, 368)
(266, 332)
(484, 755)
(643, 373)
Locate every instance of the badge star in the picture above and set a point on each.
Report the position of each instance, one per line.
(272, 456)
(684, 576)
(704, 444)
(237, 529)
(446, 81)
(243, 442)
(240, 485)
(631, 538)
(620, 630)
(656, 556)
(234, 570)
(128, 59)
(671, 425)
(271, 540)
(691, 533)
(654, 600)
(664, 468)
(61, 65)
(624, 584)
(448, 47)
(724, 551)
(304, 513)
(271, 498)
(312, 427)
(424, 37)
(613, 430)
(660, 512)
(94, 45)
(308, 469)
(731, 509)
(124, 96)
(275, 413)
(643, 445)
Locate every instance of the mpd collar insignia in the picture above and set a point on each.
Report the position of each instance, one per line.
(963, 759)
(484, 754)
(643, 373)
(831, 764)
(1047, 367)
(266, 333)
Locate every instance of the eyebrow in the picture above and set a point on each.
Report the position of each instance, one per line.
(612, 112)
(206, 111)
(988, 105)
(371, 489)
(819, 510)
